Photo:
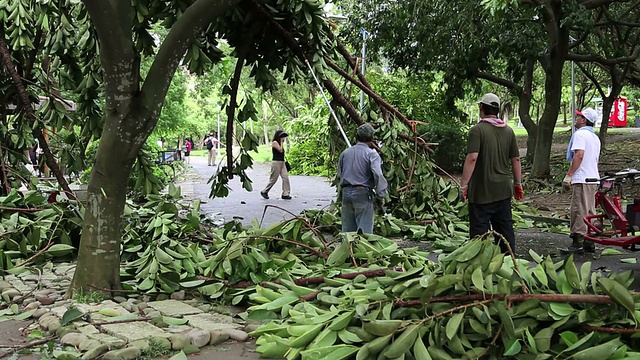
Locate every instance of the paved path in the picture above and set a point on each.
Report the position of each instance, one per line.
(308, 192)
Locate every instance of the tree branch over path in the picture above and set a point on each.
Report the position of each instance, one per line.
(33, 120)
(194, 20)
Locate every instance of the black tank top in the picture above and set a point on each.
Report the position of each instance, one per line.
(277, 156)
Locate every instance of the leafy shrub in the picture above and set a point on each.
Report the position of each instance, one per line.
(310, 150)
(147, 177)
(452, 148)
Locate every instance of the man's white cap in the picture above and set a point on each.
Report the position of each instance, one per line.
(490, 99)
(588, 113)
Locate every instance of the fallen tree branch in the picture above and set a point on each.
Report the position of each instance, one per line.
(610, 330)
(304, 220)
(33, 121)
(121, 321)
(20, 209)
(26, 346)
(559, 298)
(306, 281)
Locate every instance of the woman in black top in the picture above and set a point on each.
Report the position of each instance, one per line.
(278, 167)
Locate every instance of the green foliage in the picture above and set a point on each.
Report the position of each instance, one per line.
(148, 175)
(424, 310)
(23, 234)
(220, 180)
(309, 154)
(452, 143)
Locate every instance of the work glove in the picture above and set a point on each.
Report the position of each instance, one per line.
(566, 182)
(380, 205)
(518, 192)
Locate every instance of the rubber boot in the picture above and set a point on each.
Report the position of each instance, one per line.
(576, 245)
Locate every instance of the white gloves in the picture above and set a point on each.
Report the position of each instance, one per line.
(566, 182)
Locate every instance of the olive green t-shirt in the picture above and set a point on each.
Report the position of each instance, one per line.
(491, 180)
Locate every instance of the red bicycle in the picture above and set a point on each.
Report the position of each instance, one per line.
(615, 226)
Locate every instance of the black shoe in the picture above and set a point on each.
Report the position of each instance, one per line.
(572, 249)
(264, 194)
(589, 247)
(286, 197)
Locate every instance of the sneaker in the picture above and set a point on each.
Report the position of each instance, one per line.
(572, 249)
(286, 197)
(264, 194)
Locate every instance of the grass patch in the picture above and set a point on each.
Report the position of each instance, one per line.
(87, 298)
(156, 349)
(263, 155)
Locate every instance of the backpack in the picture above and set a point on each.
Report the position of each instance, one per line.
(209, 144)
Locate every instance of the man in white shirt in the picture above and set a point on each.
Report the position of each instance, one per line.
(583, 154)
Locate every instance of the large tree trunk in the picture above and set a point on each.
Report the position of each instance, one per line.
(99, 253)
(552, 63)
(132, 112)
(616, 89)
(553, 88)
(524, 110)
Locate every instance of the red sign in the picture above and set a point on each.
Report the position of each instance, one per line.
(618, 117)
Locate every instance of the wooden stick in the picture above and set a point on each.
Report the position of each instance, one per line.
(26, 346)
(121, 321)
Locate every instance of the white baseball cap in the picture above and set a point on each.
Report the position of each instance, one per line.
(588, 113)
(490, 99)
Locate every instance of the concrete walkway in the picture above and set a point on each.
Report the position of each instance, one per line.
(308, 192)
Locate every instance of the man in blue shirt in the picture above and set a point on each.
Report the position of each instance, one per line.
(361, 182)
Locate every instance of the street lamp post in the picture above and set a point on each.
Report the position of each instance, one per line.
(364, 33)
(573, 97)
(573, 92)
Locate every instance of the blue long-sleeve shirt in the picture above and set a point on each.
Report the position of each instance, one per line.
(361, 165)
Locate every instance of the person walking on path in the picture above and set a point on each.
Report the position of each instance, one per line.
(486, 176)
(278, 167)
(211, 142)
(361, 181)
(187, 147)
(583, 154)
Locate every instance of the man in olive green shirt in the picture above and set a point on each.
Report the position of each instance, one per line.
(492, 159)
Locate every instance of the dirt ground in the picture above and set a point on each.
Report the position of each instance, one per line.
(622, 151)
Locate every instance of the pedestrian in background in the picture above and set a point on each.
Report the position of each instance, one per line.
(211, 142)
(278, 167)
(361, 181)
(187, 150)
(584, 154)
(492, 162)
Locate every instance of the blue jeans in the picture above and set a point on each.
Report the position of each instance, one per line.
(357, 209)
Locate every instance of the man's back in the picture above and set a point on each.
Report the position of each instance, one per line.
(361, 165)
(491, 179)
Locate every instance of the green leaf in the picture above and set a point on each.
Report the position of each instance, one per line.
(179, 356)
(71, 315)
(611, 251)
(192, 283)
(174, 321)
(60, 250)
(453, 325)
(629, 261)
(512, 348)
(543, 339)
